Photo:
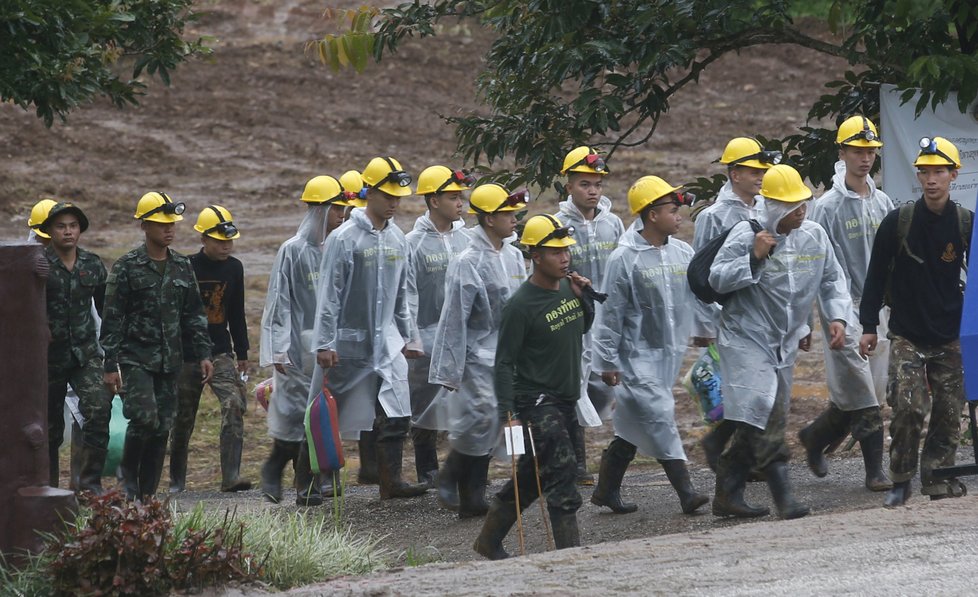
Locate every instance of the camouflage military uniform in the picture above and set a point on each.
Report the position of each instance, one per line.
(73, 355)
(148, 306)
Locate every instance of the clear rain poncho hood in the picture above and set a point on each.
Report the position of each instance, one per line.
(287, 323)
(642, 331)
(761, 324)
(478, 283)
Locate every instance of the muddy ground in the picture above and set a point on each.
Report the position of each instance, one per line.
(247, 126)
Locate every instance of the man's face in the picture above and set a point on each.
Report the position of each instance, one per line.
(746, 180)
(448, 205)
(859, 160)
(584, 189)
(665, 219)
(793, 220)
(64, 231)
(216, 249)
(936, 182)
(502, 222)
(553, 262)
(335, 216)
(381, 205)
(158, 233)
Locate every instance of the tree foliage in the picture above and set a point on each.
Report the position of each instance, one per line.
(565, 72)
(57, 54)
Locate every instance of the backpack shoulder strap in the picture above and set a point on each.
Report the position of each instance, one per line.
(903, 230)
(964, 229)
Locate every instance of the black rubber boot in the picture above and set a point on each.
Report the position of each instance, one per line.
(499, 520)
(472, 487)
(777, 481)
(178, 468)
(425, 455)
(392, 485)
(580, 454)
(872, 447)
(715, 442)
(77, 456)
(368, 474)
(614, 461)
(449, 478)
(898, 495)
(332, 484)
(728, 500)
(308, 490)
(151, 465)
(829, 426)
(90, 476)
(54, 466)
(566, 533)
(689, 499)
(132, 456)
(271, 471)
(231, 480)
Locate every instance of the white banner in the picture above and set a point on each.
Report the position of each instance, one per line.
(901, 132)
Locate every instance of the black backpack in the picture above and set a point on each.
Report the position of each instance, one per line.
(698, 270)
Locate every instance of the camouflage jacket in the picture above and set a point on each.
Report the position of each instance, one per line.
(74, 339)
(146, 313)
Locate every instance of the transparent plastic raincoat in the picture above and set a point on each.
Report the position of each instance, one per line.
(287, 324)
(851, 222)
(363, 315)
(642, 331)
(761, 324)
(596, 239)
(479, 282)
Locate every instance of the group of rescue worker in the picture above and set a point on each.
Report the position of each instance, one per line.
(556, 324)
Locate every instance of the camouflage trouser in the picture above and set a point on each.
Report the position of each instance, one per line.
(912, 370)
(149, 400)
(551, 424)
(761, 447)
(226, 385)
(94, 402)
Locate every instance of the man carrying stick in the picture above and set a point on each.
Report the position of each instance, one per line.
(537, 382)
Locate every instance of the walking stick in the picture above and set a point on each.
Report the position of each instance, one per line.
(543, 510)
(516, 486)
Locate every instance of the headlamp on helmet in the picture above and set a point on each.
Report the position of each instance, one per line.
(459, 177)
(766, 157)
(592, 161)
(168, 207)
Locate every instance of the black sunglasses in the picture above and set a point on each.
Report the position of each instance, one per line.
(168, 207)
(225, 228)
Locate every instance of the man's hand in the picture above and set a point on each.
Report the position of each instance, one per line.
(242, 366)
(611, 378)
(837, 335)
(763, 243)
(327, 359)
(410, 353)
(206, 371)
(279, 368)
(702, 342)
(577, 282)
(805, 343)
(113, 381)
(867, 345)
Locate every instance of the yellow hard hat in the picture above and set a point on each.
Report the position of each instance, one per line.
(323, 189)
(39, 213)
(584, 159)
(157, 207)
(387, 175)
(215, 221)
(937, 151)
(353, 188)
(747, 151)
(439, 179)
(647, 190)
(858, 131)
(547, 231)
(493, 198)
(783, 183)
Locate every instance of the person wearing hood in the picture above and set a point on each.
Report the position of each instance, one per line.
(364, 331)
(596, 232)
(639, 342)
(478, 283)
(287, 338)
(438, 236)
(738, 200)
(774, 276)
(850, 212)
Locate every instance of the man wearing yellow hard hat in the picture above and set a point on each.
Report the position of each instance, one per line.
(916, 267)
(151, 304)
(220, 278)
(640, 340)
(364, 331)
(537, 378)
(286, 338)
(850, 212)
(597, 230)
(775, 275)
(477, 285)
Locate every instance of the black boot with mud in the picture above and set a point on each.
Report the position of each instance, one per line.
(367, 444)
(566, 532)
(715, 441)
(472, 487)
(777, 481)
(499, 520)
(729, 497)
(689, 499)
(231, 480)
(271, 471)
(425, 456)
(392, 485)
(448, 480)
(614, 461)
(898, 495)
(90, 476)
(830, 426)
(580, 454)
(308, 490)
(872, 448)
